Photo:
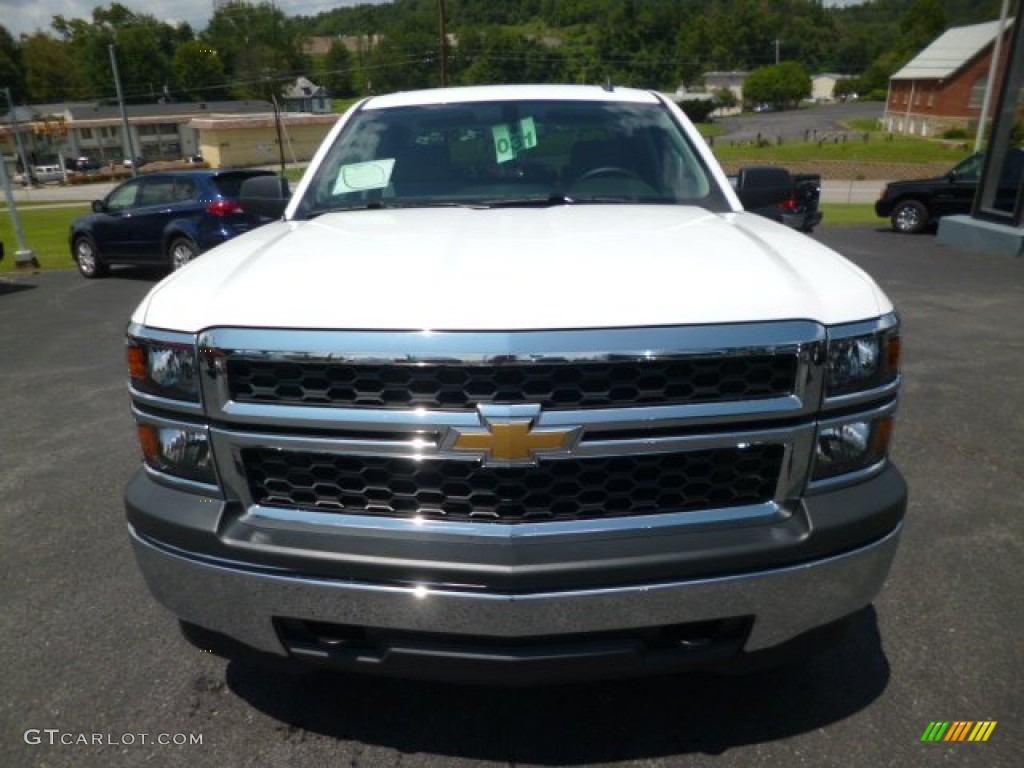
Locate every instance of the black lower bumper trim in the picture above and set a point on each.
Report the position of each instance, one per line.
(713, 646)
(524, 662)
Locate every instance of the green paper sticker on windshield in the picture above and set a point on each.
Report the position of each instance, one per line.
(375, 174)
(512, 138)
(528, 133)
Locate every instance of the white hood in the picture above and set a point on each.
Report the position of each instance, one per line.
(584, 266)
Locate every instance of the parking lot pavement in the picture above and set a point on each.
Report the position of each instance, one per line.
(797, 124)
(87, 653)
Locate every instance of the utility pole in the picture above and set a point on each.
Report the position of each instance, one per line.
(979, 137)
(443, 19)
(24, 258)
(777, 41)
(277, 116)
(277, 125)
(26, 175)
(124, 113)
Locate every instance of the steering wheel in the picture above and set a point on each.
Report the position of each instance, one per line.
(608, 170)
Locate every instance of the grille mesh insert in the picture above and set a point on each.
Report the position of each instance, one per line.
(550, 385)
(555, 490)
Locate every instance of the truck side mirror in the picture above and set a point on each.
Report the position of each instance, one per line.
(265, 196)
(763, 186)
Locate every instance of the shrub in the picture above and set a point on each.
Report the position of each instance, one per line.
(698, 110)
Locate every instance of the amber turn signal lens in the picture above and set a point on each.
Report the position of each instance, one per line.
(881, 436)
(137, 362)
(150, 442)
(893, 350)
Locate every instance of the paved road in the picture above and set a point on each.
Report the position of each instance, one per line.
(792, 124)
(86, 651)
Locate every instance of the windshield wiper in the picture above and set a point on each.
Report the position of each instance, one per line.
(600, 199)
(510, 202)
(555, 198)
(377, 205)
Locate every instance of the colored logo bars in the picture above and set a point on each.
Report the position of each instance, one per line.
(958, 730)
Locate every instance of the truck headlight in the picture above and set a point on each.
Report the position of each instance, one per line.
(180, 451)
(849, 446)
(866, 361)
(164, 369)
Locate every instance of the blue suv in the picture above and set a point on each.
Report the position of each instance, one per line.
(164, 218)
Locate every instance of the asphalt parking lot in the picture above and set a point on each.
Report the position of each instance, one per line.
(87, 653)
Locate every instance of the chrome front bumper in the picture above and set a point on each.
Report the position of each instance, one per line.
(241, 601)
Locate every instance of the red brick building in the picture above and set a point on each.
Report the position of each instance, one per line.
(943, 86)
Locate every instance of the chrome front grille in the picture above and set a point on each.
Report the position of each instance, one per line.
(553, 386)
(552, 491)
(711, 422)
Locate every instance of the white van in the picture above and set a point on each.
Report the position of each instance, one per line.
(42, 174)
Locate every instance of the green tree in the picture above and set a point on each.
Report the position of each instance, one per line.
(199, 72)
(636, 44)
(924, 21)
(52, 72)
(847, 86)
(876, 76)
(11, 73)
(694, 49)
(144, 48)
(698, 110)
(145, 55)
(339, 67)
(408, 56)
(651, 42)
(808, 36)
(744, 37)
(725, 98)
(782, 84)
(499, 55)
(258, 45)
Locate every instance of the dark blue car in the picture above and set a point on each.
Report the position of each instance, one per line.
(166, 218)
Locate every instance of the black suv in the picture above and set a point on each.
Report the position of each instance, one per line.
(916, 205)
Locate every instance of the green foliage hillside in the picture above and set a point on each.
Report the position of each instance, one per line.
(253, 49)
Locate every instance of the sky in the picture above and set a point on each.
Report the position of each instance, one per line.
(27, 16)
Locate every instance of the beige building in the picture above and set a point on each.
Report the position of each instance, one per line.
(227, 141)
(823, 86)
(224, 133)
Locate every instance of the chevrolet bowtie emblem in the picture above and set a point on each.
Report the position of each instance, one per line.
(512, 441)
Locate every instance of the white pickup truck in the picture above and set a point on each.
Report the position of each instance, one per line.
(515, 391)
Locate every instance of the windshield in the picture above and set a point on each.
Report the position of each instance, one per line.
(507, 153)
(969, 169)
